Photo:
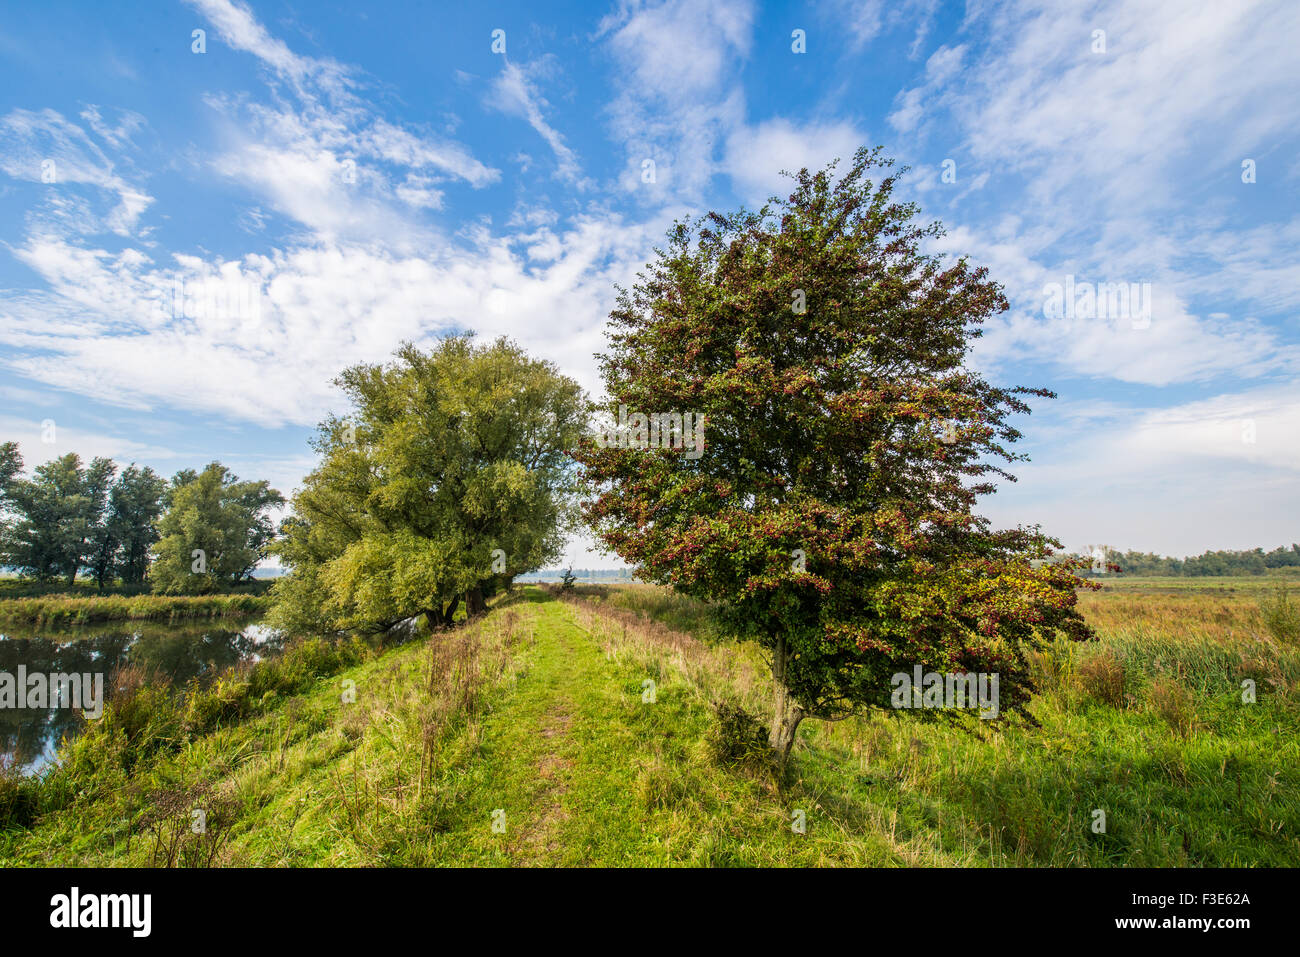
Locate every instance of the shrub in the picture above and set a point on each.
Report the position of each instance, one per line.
(72, 610)
(19, 800)
(227, 700)
(737, 738)
(661, 786)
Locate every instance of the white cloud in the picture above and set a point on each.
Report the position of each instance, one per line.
(680, 49)
(118, 136)
(679, 96)
(31, 436)
(237, 26)
(514, 92)
(865, 20)
(320, 308)
(37, 145)
(1178, 87)
(326, 158)
(1177, 480)
(756, 155)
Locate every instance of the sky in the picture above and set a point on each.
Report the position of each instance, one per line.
(200, 230)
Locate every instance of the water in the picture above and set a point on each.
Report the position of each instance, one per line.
(29, 737)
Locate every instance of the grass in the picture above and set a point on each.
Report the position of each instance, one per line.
(72, 610)
(537, 718)
(13, 586)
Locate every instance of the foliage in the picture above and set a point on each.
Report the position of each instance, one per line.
(72, 610)
(59, 513)
(737, 738)
(214, 533)
(846, 443)
(1254, 561)
(401, 777)
(68, 517)
(19, 799)
(449, 478)
(121, 546)
(1281, 616)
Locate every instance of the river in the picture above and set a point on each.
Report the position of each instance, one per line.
(30, 736)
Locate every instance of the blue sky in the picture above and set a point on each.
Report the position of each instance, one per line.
(328, 179)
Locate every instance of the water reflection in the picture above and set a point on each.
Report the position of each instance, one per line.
(29, 737)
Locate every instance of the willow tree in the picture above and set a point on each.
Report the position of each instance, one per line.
(830, 509)
(449, 477)
(215, 532)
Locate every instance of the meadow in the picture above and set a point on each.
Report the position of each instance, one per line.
(530, 736)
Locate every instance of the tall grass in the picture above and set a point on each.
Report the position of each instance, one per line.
(61, 610)
(1149, 724)
(267, 750)
(1281, 617)
(146, 717)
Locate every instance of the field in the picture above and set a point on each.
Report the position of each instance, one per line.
(531, 737)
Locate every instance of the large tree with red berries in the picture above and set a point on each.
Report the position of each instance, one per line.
(846, 441)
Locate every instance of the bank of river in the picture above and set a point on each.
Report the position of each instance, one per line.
(30, 736)
(75, 610)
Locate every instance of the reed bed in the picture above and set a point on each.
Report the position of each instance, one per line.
(59, 611)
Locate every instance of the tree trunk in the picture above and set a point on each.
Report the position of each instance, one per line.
(786, 713)
(439, 618)
(474, 603)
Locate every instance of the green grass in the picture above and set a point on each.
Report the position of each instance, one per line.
(536, 711)
(13, 586)
(66, 610)
(1197, 584)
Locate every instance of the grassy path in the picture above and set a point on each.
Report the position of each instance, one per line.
(560, 757)
(588, 771)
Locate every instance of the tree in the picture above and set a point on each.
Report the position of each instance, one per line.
(1283, 557)
(119, 545)
(136, 506)
(59, 512)
(11, 467)
(214, 533)
(829, 503)
(450, 477)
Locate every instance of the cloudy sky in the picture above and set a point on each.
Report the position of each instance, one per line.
(198, 231)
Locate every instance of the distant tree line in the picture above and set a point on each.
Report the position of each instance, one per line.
(1254, 561)
(200, 532)
(581, 574)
